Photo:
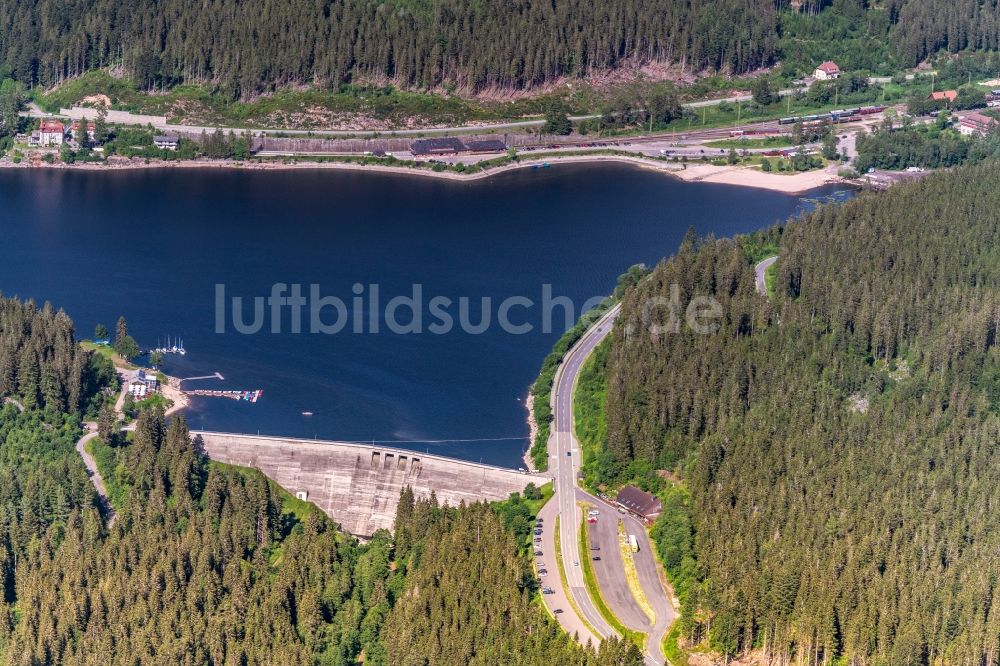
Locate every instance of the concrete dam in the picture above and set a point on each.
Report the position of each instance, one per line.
(358, 485)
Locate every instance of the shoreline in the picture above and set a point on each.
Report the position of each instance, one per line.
(798, 183)
(529, 404)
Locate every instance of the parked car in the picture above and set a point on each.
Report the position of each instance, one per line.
(596, 558)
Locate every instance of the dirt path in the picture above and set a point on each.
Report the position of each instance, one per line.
(95, 475)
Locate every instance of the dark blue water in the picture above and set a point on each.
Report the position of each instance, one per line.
(153, 245)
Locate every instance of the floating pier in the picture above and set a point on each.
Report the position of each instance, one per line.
(246, 396)
(217, 375)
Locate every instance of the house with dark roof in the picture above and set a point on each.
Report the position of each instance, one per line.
(448, 145)
(486, 146)
(168, 142)
(640, 503)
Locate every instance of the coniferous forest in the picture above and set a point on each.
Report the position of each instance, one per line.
(837, 443)
(252, 46)
(245, 48)
(207, 564)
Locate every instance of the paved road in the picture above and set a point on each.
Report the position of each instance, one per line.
(559, 600)
(614, 590)
(564, 453)
(759, 270)
(651, 578)
(95, 475)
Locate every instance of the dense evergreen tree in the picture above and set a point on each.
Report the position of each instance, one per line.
(40, 363)
(206, 563)
(247, 47)
(837, 441)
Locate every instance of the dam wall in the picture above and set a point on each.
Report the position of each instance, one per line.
(358, 485)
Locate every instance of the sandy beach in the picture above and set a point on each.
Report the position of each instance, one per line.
(171, 391)
(749, 177)
(705, 173)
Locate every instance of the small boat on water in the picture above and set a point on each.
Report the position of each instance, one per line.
(176, 348)
(307, 413)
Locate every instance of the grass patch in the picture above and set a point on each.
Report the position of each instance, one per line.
(782, 141)
(108, 352)
(565, 581)
(303, 108)
(594, 590)
(590, 423)
(542, 388)
(535, 505)
(590, 420)
(770, 277)
(632, 575)
(675, 654)
(154, 401)
(114, 475)
(122, 92)
(291, 506)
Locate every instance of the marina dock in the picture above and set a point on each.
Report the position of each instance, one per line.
(247, 396)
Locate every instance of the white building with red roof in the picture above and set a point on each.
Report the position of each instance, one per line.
(50, 133)
(828, 70)
(975, 123)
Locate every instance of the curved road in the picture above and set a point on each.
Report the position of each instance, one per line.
(564, 454)
(564, 463)
(760, 269)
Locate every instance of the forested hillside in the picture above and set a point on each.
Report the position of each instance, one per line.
(252, 46)
(249, 47)
(203, 566)
(839, 442)
(40, 362)
(469, 596)
(212, 564)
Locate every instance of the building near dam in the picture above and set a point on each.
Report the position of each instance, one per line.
(358, 485)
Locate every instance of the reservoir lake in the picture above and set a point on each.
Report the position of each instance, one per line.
(159, 246)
